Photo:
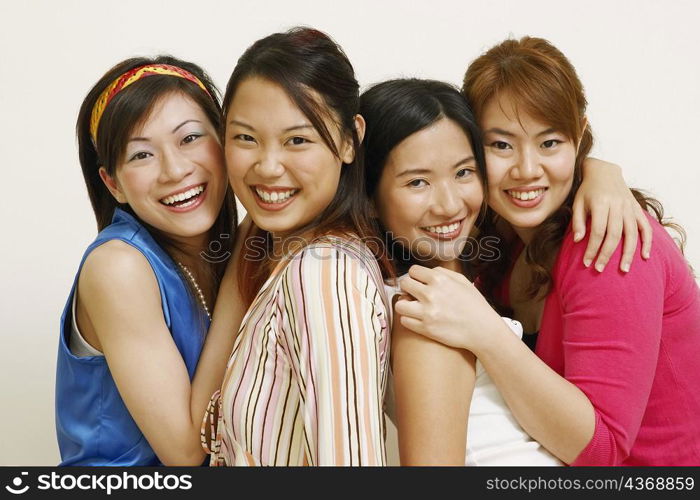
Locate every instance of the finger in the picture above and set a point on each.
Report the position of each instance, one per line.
(630, 245)
(422, 274)
(599, 220)
(613, 236)
(645, 228)
(459, 277)
(412, 324)
(414, 288)
(578, 220)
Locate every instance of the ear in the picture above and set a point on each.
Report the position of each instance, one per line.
(584, 124)
(112, 185)
(348, 153)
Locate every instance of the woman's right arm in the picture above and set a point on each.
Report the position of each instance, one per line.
(433, 385)
(119, 292)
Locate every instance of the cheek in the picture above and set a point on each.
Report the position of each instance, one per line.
(401, 212)
(496, 171)
(473, 196)
(563, 167)
(135, 181)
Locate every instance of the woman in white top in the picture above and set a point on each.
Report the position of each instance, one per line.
(425, 172)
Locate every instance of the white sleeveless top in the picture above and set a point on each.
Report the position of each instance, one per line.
(494, 437)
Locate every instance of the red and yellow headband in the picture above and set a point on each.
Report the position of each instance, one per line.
(127, 79)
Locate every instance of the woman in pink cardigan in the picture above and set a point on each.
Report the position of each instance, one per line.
(613, 379)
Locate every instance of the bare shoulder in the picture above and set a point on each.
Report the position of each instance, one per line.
(115, 268)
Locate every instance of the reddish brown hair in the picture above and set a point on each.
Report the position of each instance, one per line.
(544, 84)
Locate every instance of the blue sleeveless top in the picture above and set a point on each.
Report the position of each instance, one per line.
(93, 424)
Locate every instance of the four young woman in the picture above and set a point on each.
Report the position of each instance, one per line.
(308, 372)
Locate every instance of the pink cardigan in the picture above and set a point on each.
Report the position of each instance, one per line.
(631, 343)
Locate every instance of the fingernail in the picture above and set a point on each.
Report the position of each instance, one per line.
(646, 255)
(625, 268)
(599, 267)
(587, 262)
(577, 237)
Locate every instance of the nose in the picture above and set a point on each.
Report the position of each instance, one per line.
(269, 164)
(528, 165)
(446, 201)
(175, 166)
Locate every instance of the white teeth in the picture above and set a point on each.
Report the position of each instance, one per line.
(443, 229)
(275, 196)
(183, 196)
(526, 195)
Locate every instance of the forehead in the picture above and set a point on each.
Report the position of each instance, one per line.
(169, 111)
(262, 100)
(439, 146)
(503, 111)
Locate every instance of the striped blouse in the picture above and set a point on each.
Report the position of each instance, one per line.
(305, 382)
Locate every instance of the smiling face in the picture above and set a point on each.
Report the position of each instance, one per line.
(530, 165)
(172, 172)
(278, 164)
(429, 194)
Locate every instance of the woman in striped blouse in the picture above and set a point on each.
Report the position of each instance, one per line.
(306, 379)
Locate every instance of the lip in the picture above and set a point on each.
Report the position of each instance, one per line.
(200, 199)
(447, 236)
(185, 189)
(525, 203)
(273, 207)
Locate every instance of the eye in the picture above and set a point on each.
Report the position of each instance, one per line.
(464, 173)
(500, 145)
(191, 138)
(244, 138)
(297, 141)
(141, 155)
(417, 183)
(550, 143)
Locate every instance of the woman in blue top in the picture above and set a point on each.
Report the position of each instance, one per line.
(129, 389)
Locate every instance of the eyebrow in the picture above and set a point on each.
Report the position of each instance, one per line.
(500, 131)
(288, 129)
(147, 139)
(185, 123)
(418, 171)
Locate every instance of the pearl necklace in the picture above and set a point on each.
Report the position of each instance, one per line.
(200, 295)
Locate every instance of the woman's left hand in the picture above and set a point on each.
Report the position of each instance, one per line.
(614, 211)
(447, 308)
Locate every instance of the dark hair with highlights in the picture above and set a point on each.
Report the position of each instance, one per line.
(128, 110)
(304, 62)
(544, 84)
(396, 109)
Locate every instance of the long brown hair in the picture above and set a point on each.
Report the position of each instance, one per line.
(544, 84)
(302, 61)
(127, 110)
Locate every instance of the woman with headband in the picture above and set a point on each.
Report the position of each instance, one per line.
(133, 377)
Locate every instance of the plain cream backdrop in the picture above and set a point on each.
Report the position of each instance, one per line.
(637, 58)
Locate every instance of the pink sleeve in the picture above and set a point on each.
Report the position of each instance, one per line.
(611, 336)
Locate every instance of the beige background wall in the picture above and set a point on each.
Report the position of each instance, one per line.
(637, 58)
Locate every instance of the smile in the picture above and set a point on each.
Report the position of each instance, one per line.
(526, 198)
(184, 199)
(273, 198)
(445, 231)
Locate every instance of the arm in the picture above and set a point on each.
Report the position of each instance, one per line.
(336, 347)
(433, 385)
(120, 294)
(614, 210)
(611, 337)
(451, 310)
